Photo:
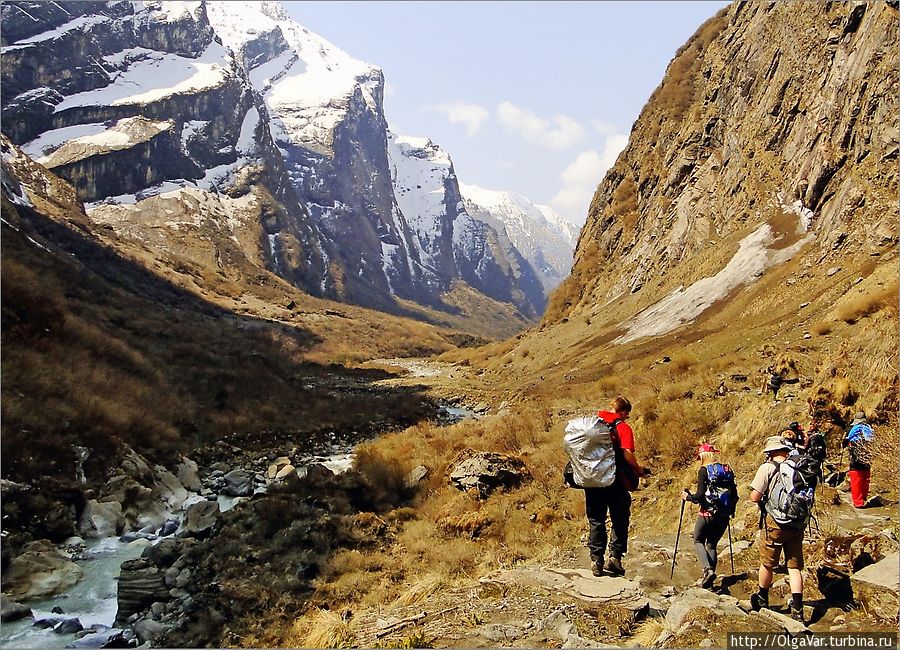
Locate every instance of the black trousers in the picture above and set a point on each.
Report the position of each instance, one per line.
(707, 533)
(614, 500)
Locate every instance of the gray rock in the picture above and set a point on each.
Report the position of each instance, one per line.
(158, 608)
(171, 491)
(238, 483)
(790, 625)
(68, 626)
(200, 517)
(187, 474)
(415, 476)
(101, 519)
(833, 270)
(168, 528)
(140, 585)
(876, 586)
(40, 570)
(694, 599)
(10, 610)
(485, 472)
(149, 631)
(220, 468)
(577, 583)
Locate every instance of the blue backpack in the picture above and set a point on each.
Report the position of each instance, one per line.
(720, 489)
(860, 433)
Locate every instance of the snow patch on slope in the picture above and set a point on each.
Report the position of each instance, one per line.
(684, 305)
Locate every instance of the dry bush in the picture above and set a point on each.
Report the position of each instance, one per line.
(385, 474)
(420, 591)
(624, 203)
(868, 304)
(321, 629)
(821, 329)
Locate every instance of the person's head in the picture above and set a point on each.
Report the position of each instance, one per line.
(706, 454)
(776, 447)
(792, 436)
(621, 406)
(859, 418)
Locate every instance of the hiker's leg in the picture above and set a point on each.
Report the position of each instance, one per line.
(864, 475)
(795, 577)
(714, 531)
(769, 554)
(619, 515)
(856, 487)
(766, 575)
(700, 543)
(595, 506)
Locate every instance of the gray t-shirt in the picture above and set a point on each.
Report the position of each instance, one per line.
(764, 474)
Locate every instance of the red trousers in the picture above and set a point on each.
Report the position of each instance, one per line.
(859, 486)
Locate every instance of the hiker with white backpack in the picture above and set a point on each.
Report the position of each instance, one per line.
(602, 463)
(717, 497)
(784, 487)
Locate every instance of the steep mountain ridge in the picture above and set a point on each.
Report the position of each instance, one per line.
(237, 112)
(774, 114)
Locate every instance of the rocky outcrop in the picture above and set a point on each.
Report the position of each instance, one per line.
(779, 117)
(40, 570)
(876, 587)
(200, 517)
(10, 610)
(484, 472)
(141, 583)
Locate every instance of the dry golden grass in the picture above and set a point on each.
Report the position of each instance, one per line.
(321, 629)
(823, 328)
(868, 304)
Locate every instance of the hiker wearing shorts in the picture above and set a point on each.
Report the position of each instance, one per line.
(712, 520)
(775, 539)
(614, 500)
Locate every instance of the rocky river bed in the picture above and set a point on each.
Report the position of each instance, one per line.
(166, 556)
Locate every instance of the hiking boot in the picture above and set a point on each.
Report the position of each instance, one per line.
(614, 566)
(757, 602)
(597, 568)
(797, 614)
(709, 578)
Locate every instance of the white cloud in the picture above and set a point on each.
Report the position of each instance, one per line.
(558, 132)
(603, 128)
(471, 115)
(581, 177)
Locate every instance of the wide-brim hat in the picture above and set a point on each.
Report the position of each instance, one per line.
(776, 443)
(859, 418)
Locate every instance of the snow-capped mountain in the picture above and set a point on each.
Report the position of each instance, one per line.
(259, 134)
(543, 236)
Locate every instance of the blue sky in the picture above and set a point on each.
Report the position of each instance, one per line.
(534, 97)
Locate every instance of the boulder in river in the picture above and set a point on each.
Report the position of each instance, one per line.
(101, 519)
(200, 517)
(171, 491)
(141, 584)
(10, 610)
(40, 570)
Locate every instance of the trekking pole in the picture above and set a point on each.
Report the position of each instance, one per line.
(730, 547)
(675, 554)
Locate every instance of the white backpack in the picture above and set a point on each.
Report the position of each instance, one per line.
(589, 447)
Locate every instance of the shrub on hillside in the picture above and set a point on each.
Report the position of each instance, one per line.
(868, 304)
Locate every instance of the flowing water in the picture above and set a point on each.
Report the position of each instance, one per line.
(91, 601)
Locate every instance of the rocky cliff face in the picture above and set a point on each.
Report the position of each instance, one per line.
(775, 129)
(247, 127)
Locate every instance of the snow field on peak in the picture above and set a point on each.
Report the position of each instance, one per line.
(156, 77)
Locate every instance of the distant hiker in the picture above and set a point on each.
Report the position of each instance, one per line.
(615, 499)
(717, 497)
(785, 511)
(772, 382)
(858, 439)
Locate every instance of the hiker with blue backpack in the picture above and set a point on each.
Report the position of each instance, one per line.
(717, 497)
(858, 439)
(784, 488)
